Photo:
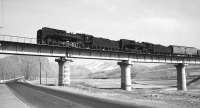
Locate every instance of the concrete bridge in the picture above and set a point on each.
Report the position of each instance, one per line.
(27, 46)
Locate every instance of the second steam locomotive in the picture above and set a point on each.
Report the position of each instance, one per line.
(49, 36)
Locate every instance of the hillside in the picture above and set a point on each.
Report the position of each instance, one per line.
(95, 65)
(165, 71)
(116, 73)
(168, 71)
(28, 66)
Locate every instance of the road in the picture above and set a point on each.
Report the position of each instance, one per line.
(42, 97)
(8, 99)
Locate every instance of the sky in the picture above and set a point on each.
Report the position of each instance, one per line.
(167, 22)
(1, 10)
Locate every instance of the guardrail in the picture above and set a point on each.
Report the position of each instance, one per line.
(11, 38)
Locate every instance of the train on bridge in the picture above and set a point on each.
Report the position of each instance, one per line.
(50, 36)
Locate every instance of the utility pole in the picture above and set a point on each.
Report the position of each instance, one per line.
(46, 77)
(40, 72)
(6, 75)
(27, 72)
(2, 76)
(14, 75)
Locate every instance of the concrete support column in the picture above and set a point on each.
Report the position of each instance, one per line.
(63, 71)
(125, 75)
(181, 77)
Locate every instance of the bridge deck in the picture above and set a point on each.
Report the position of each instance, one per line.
(18, 48)
(147, 58)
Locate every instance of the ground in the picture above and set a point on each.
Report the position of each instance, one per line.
(160, 93)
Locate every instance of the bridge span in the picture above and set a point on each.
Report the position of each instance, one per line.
(28, 46)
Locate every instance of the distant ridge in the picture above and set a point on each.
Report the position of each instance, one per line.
(166, 71)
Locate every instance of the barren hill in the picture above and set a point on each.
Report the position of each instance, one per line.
(164, 71)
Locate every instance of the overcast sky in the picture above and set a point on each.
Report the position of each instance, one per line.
(157, 21)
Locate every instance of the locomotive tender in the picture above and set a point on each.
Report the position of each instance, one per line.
(49, 36)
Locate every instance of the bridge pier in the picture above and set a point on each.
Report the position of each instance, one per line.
(63, 71)
(181, 77)
(125, 75)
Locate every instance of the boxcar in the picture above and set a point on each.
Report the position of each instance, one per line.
(190, 51)
(160, 49)
(177, 50)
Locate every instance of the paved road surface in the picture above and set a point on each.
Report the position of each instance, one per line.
(8, 99)
(41, 97)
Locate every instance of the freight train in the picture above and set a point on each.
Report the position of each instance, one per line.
(50, 36)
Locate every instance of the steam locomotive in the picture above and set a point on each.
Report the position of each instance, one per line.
(50, 36)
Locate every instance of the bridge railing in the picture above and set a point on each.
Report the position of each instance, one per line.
(11, 38)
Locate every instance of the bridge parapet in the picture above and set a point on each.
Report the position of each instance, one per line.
(16, 48)
(120, 56)
(19, 39)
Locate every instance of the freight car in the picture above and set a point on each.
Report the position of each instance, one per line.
(147, 48)
(191, 51)
(182, 50)
(160, 49)
(177, 50)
